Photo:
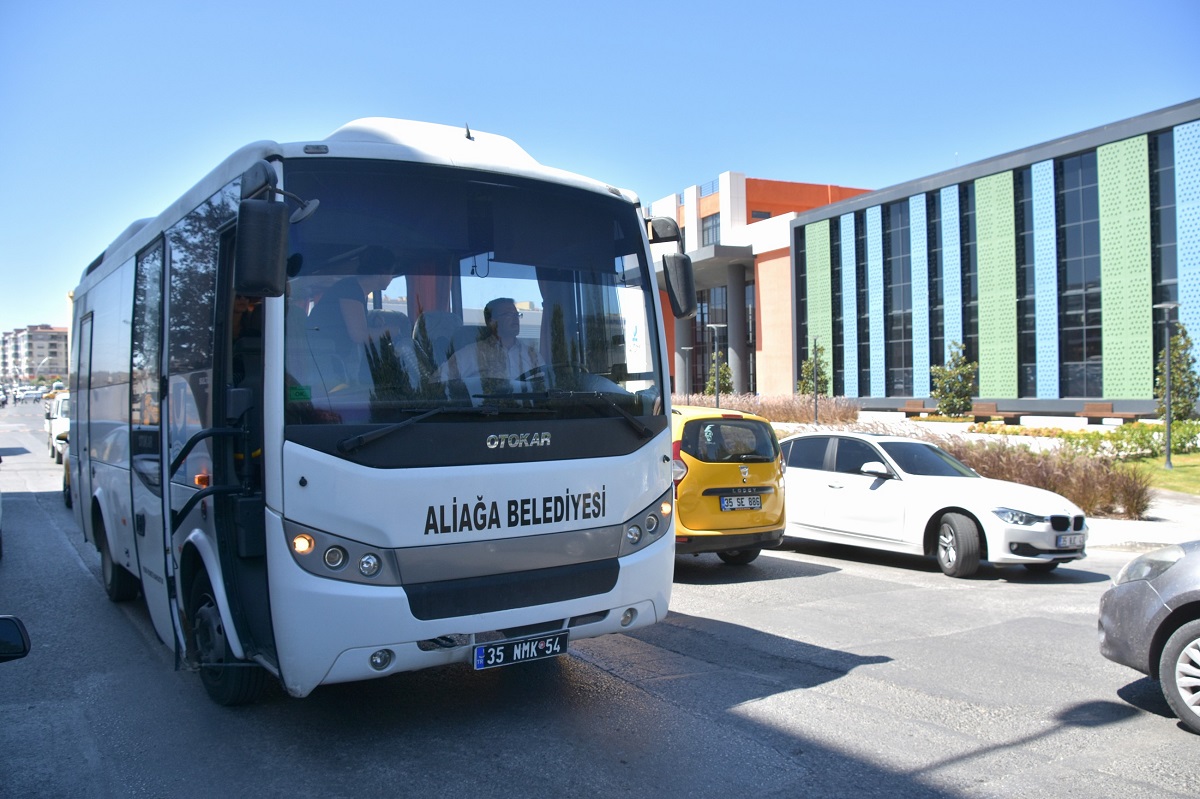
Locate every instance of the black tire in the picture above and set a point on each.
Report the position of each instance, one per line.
(739, 557)
(119, 584)
(1179, 674)
(1042, 568)
(66, 491)
(58, 456)
(228, 681)
(958, 545)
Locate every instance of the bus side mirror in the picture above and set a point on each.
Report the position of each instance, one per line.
(260, 268)
(14, 640)
(681, 284)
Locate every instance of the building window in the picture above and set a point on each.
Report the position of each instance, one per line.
(937, 297)
(1026, 284)
(1163, 265)
(836, 359)
(712, 309)
(751, 338)
(756, 215)
(897, 300)
(710, 230)
(862, 303)
(801, 291)
(970, 275)
(1081, 369)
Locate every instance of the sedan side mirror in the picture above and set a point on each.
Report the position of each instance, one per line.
(876, 469)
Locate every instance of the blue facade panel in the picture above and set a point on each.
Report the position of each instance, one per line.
(849, 308)
(1045, 276)
(875, 300)
(918, 232)
(952, 302)
(1187, 222)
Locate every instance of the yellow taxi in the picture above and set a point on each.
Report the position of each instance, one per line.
(728, 471)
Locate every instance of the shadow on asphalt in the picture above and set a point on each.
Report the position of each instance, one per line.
(1069, 574)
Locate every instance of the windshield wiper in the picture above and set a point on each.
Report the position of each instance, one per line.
(354, 442)
(603, 398)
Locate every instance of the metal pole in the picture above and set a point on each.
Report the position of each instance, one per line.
(1167, 308)
(715, 328)
(816, 377)
(1167, 389)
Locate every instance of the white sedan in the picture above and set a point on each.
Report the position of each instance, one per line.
(906, 495)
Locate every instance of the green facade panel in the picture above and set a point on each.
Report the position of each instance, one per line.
(995, 225)
(1126, 290)
(819, 287)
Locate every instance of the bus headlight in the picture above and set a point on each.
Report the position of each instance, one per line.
(335, 557)
(368, 565)
(633, 534)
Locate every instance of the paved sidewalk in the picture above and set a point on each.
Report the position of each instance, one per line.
(1172, 519)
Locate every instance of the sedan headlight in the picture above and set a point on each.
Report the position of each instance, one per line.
(1150, 565)
(1011, 516)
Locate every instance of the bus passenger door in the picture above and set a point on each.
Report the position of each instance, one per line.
(79, 441)
(145, 457)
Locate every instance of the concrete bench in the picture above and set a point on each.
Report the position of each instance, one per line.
(1097, 412)
(986, 411)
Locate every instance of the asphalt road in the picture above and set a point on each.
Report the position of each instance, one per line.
(816, 671)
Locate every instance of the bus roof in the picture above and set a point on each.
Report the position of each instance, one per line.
(371, 137)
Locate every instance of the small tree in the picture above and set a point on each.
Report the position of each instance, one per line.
(726, 377)
(1185, 384)
(952, 383)
(811, 364)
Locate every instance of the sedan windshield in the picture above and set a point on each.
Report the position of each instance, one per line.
(420, 292)
(919, 458)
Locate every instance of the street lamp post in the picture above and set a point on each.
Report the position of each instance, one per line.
(1167, 307)
(717, 375)
(37, 370)
(687, 369)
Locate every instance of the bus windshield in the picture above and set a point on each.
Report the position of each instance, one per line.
(419, 291)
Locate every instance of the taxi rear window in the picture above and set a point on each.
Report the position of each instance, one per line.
(729, 441)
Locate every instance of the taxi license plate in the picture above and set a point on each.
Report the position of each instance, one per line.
(523, 650)
(741, 503)
(1070, 541)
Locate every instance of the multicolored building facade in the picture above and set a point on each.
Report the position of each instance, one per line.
(1046, 264)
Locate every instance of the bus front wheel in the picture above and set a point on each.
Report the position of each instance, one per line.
(227, 680)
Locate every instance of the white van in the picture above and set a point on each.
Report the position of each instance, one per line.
(57, 423)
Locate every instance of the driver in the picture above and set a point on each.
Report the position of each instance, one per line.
(499, 355)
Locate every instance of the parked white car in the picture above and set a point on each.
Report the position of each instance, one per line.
(906, 495)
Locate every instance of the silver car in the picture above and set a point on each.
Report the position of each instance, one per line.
(1150, 621)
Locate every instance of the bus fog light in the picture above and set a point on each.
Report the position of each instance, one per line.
(633, 534)
(368, 565)
(335, 557)
(628, 617)
(303, 544)
(382, 659)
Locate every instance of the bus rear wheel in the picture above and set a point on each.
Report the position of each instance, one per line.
(227, 680)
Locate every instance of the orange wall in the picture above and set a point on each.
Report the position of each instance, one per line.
(775, 335)
(780, 197)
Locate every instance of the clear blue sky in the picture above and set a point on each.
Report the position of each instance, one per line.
(111, 110)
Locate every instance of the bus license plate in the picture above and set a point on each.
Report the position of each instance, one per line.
(741, 503)
(505, 653)
(1070, 541)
